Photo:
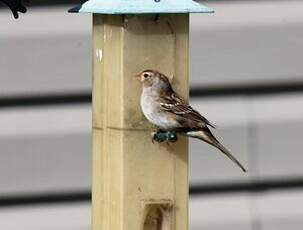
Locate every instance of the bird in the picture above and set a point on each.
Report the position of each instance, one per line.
(165, 109)
(15, 6)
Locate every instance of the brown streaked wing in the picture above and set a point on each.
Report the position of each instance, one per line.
(176, 105)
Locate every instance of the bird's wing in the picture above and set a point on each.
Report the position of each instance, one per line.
(176, 105)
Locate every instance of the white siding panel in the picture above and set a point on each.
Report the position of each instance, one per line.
(45, 149)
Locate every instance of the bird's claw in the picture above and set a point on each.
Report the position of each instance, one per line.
(163, 136)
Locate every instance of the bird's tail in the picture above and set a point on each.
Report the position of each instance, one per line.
(208, 137)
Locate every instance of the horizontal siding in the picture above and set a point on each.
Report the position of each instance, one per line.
(49, 148)
(231, 47)
(237, 212)
(45, 149)
(45, 164)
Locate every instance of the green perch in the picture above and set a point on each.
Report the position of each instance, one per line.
(161, 136)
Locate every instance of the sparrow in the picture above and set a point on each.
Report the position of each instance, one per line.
(169, 112)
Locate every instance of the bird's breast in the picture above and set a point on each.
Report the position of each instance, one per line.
(155, 114)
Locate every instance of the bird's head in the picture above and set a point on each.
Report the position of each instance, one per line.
(153, 78)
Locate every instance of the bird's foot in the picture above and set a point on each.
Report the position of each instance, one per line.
(163, 136)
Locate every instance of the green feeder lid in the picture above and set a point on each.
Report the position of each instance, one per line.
(140, 7)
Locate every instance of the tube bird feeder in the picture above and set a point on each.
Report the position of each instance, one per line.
(137, 185)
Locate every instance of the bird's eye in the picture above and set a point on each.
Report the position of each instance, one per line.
(145, 75)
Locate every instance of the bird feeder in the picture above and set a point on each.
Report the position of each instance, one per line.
(137, 184)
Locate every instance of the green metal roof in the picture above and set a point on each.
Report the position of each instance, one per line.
(140, 7)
